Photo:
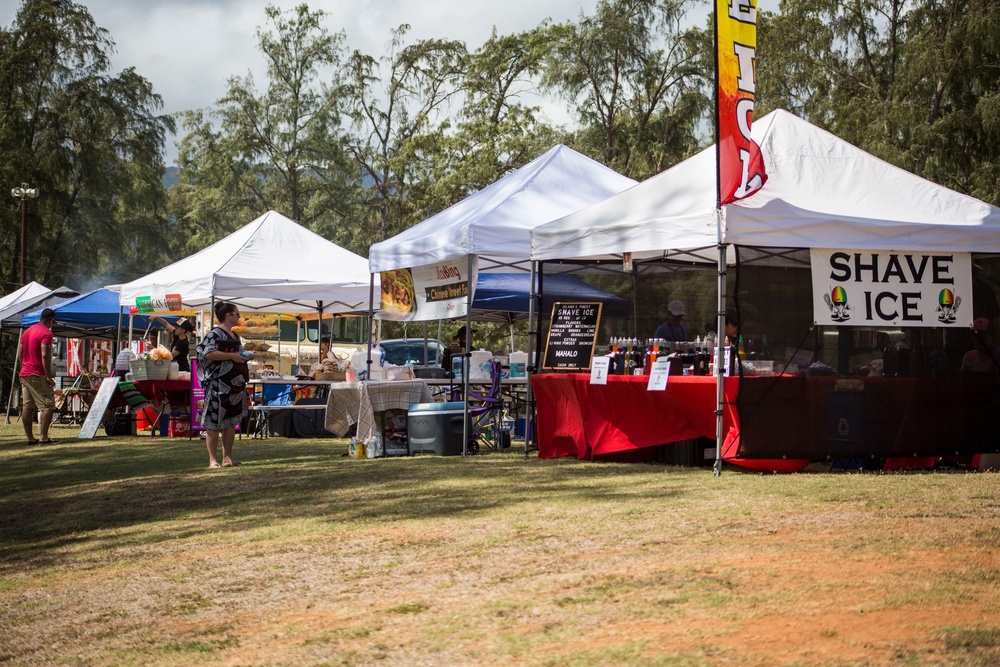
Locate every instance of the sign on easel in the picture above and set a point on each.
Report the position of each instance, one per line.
(572, 335)
(96, 413)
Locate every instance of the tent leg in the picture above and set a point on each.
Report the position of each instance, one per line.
(466, 362)
(720, 339)
(528, 404)
(13, 375)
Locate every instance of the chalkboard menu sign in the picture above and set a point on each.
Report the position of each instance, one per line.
(572, 334)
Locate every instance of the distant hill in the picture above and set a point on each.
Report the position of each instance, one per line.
(170, 178)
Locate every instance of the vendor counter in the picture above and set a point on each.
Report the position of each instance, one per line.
(779, 423)
(158, 392)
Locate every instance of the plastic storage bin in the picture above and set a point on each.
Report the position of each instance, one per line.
(435, 428)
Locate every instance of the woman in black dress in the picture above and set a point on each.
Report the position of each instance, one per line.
(179, 347)
(223, 373)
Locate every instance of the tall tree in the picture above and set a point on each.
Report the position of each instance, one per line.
(913, 81)
(633, 73)
(278, 149)
(395, 101)
(495, 131)
(90, 140)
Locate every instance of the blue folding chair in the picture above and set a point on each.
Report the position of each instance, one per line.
(277, 394)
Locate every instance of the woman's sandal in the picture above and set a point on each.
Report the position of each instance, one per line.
(46, 441)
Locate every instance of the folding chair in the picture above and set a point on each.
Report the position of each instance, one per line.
(490, 424)
(272, 396)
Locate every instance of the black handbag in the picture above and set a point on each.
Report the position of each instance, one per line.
(122, 423)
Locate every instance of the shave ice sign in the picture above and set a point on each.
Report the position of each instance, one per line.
(872, 288)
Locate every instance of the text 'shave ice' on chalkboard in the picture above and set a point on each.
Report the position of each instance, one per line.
(572, 335)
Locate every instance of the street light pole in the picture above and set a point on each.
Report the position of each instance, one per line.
(24, 193)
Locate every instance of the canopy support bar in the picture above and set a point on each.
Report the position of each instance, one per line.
(720, 341)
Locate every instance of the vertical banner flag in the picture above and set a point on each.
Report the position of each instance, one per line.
(740, 164)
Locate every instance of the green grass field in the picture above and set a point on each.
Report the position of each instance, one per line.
(131, 551)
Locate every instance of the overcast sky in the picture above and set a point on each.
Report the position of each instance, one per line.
(189, 48)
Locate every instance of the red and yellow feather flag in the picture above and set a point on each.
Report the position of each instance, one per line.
(740, 164)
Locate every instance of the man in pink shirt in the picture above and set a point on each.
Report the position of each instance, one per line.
(37, 383)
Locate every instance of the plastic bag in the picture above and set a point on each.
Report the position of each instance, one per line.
(374, 448)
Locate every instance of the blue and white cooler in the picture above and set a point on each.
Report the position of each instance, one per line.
(435, 428)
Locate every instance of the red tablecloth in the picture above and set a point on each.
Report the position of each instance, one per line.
(576, 418)
(177, 392)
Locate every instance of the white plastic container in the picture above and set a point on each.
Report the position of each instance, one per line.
(359, 362)
(174, 370)
(479, 366)
(518, 364)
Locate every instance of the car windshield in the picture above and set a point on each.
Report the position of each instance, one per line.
(411, 351)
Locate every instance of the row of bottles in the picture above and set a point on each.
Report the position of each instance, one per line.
(748, 351)
(630, 354)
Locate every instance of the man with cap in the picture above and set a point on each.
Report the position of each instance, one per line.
(673, 329)
(180, 347)
(37, 383)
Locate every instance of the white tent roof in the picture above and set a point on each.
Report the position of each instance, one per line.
(29, 291)
(495, 223)
(271, 265)
(821, 192)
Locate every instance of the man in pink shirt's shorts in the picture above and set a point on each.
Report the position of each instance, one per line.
(37, 383)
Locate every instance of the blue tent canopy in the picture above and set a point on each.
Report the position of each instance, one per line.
(505, 296)
(94, 314)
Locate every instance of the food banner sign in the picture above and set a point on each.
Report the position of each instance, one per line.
(148, 304)
(429, 292)
(891, 287)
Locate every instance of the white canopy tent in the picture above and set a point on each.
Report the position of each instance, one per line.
(821, 192)
(270, 265)
(25, 292)
(495, 223)
(491, 229)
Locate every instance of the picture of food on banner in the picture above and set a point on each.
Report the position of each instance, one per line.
(397, 291)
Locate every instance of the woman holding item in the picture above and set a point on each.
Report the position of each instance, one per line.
(223, 373)
(179, 347)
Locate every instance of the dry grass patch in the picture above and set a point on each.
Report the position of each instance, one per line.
(130, 551)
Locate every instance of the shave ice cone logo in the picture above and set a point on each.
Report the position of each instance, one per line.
(836, 300)
(948, 305)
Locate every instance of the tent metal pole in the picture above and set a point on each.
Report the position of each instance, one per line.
(528, 405)
(468, 358)
(371, 322)
(720, 340)
(13, 375)
(118, 347)
(426, 344)
(319, 336)
(635, 305)
(440, 360)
